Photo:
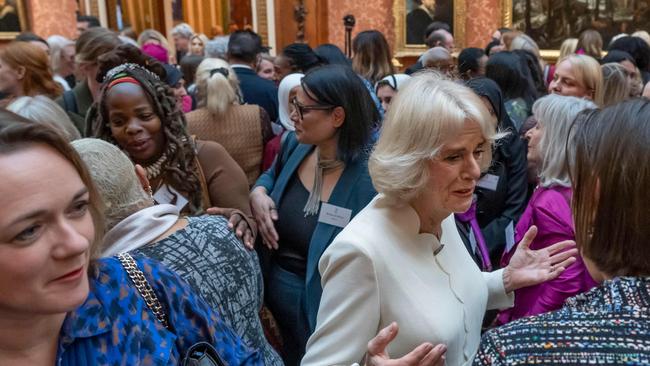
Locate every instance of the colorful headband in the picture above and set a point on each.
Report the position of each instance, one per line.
(122, 78)
(113, 73)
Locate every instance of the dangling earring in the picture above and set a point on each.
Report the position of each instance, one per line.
(149, 191)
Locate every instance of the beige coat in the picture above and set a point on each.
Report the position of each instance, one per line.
(379, 270)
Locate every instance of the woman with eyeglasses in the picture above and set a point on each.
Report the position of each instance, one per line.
(387, 88)
(317, 184)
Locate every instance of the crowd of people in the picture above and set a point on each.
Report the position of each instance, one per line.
(206, 202)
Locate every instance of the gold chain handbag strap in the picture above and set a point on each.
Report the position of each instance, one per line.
(143, 287)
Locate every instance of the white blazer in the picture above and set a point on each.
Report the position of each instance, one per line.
(379, 269)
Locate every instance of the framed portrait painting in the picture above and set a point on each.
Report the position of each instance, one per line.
(550, 22)
(413, 17)
(12, 18)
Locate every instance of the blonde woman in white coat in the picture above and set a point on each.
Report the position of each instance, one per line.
(401, 259)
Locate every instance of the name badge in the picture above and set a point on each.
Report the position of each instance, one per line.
(489, 181)
(167, 194)
(334, 215)
(510, 236)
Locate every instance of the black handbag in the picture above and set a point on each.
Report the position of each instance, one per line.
(201, 353)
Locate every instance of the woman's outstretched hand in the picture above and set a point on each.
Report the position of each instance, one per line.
(529, 267)
(265, 214)
(423, 355)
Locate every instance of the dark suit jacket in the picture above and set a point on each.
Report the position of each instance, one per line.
(258, 91)
(496, 209)
(414, 68)
(416, 23)
(354, 191)
(79, 106)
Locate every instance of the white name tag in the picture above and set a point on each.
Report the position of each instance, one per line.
(510, 236)
(334, 215)
(167, 194)
(489, 181)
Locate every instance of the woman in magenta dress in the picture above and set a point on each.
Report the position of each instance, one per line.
(549, 207)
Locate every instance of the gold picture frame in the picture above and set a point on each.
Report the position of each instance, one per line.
(506, 19)
(7, 31)
(610, 18)
(402, 49)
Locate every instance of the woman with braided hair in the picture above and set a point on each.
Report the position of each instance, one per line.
(137, 112)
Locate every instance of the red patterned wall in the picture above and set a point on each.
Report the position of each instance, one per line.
(370, 14)
(47, 17)
(483, 17)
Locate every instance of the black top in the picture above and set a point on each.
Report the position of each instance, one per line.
(497, 208)
(464, 229)
(294, 229)
(416, 24)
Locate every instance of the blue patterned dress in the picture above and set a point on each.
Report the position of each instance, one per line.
(115, 327)
(609, 325)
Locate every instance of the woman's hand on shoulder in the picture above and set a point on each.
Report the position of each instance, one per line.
(265, 214)
(237, 223)
(423, 355)
(530, 267)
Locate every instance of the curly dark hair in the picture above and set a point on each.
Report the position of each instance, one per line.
(180, 170)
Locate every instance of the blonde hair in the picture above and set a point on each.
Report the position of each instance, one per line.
(152, 34)
(556, 113)
(216, 91)
(524, 42)
(372, 56)
(42, 109)
(616, 85)
(591, 42)
(203, 38)
(568, 47)
(588, 73)
(423, 116)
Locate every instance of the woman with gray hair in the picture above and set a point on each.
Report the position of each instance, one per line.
(62, 60)
(42, 109)
(549, 208)
(401, 258)
(202, 250)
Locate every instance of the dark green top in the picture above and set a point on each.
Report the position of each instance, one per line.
(83, 100)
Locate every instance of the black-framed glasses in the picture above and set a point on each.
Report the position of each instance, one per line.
(301, 108)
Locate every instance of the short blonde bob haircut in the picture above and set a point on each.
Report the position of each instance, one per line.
(426, 114)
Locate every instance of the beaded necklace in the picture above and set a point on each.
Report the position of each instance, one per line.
(155, 169)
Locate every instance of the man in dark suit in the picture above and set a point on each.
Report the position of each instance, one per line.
(243, 48)
(428, 11)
